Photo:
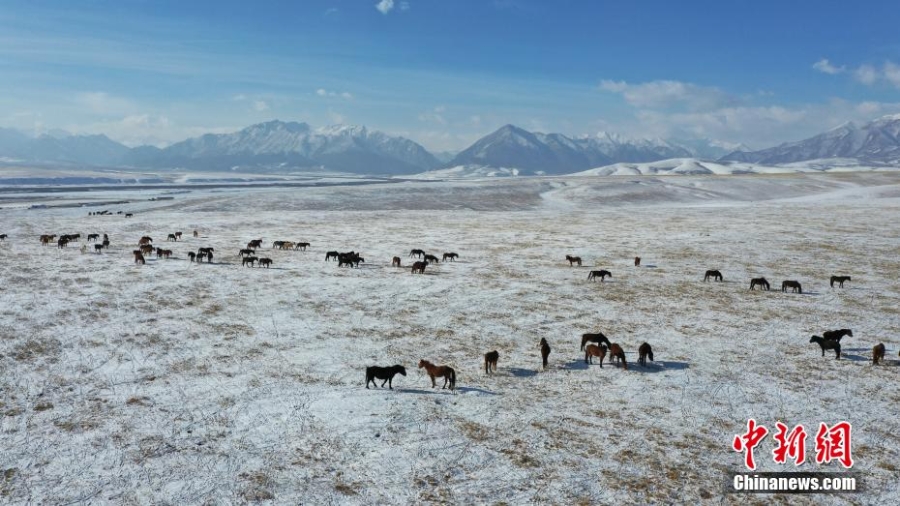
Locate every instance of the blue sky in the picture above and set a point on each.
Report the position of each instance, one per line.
(445, 72)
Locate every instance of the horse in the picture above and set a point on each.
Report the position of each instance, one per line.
(209, 255)
(418, 267)
(616, 351)
(128, 215)
(431, 259)
(443, 371)
(490, 361)
(637, 261)
(839, 280)
(265, 262)
(877, 353)
(245, 252)
(594, 351)
(248, 260)
(166, 253)
(256, 243)
(171, 237)
(46, 238)
(793, 285)
(196, 234)
(572, 260)
(145, 240)
(105, 242)
(350, 259)
(602, 273)
(331, 255)
(2, 237)
(644, 352)
(451, 256)
(395, 262)
(92, 237)
(416, 253)
(545, 352)
(287, 245)
(204, 251)
(138, 257)
(716, 275)
(200, 256)
(826, 344)
(192, 256)
(301, 246)
(761, 282)
(98, 248)
(62, 243)
(177, 235)
(278, 244)
(593, 338)
(387, 374)
(146, 249)
(836, 335)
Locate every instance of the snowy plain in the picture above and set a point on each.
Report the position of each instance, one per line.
(179, 383)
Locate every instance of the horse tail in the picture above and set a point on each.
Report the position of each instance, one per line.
(486, 371)
(650, 354)
(452, 379)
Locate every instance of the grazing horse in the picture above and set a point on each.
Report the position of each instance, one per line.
(145, 240)
(46, 238)
(418, 267)
(594, 338)
(248, 260)
(209, 256)
(171, 237)
(616, 351)
(192, 256)
(545, 352)
(166, 253)
(332, 255)
(760, 282)
(92, 237)
(416, 253)
(451, 256)
(839, 280)
(395, 262)
(146, 249)
(594, 351)
(177, 235)
(490, 361)
(716, 275)
(877, 353)
(204, 251)
(383, 373)
(138, 257)
(245, 252)
(637, 261)
(793, 285)
(301, 246)
(827, 345)
(836, 335)
(443, 371)
(265, 262)
(2, 237)
(602, 273)
(431, 259)
(644, 351)
(572, 260)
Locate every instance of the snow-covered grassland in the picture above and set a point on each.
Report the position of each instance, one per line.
(177, 383)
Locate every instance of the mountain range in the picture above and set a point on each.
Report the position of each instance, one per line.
(278, 146)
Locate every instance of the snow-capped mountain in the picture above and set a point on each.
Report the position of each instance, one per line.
(874, 142)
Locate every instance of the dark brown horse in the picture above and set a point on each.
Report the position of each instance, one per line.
(545, 352)
(793, 285)
(644, 352)
(138, 257)
(90, 237)
(395, 262)
(145, 240)
(592, 351)
(192, 256)
(98, 248)
(416, 253)
(602, 273)
(716, 275)
(760, 282)
(877, 353)
(248, 260)
(451, 256)
(332, 255)
(265, 262)
(839, 280)
(431, 259)
(196, 233)
(418, 267)
(637, 261)
(836, 335)
(383, 373)
(443, 371)
(827, 345)
(593, 338)
(490, 361)
(146, 249)
(245, 252)
(171, 237)
(301, 245)
(616, 351)
(178, 235)
(573, 260)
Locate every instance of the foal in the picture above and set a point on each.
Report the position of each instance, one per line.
(490, 361)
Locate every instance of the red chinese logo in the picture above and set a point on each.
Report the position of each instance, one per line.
(791, 445)
(834, 444)
(748, 441)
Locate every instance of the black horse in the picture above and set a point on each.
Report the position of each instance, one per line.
(839, 280)
(793, 285)
(598, 338)
(827, 345)
(383, 373)
(599, 274)
(332, 255)
(836, 335)
(716, 275)
(760, 282)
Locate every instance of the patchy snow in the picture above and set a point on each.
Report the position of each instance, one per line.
(180, 383)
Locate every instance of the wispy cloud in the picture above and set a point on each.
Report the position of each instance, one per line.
(826, 67)
(385, 6)
(260, 105)
(103, 103)
(868, 74)
(346, 95)
(665, 94)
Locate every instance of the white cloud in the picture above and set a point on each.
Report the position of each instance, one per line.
(239, 97)
(104, 104)
(385, 6)
(322, 92)
(866, 74)
(665, 93)
(891, 72)
(825, 66)
(260, 106)
(434, 116)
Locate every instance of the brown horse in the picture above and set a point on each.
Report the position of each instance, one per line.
(451, 256)
(545, 352)
(877, 353)
(146, 249)
(598, 338)
(716, 275)
(760, 282)
(431, 259)
(145, 240)
(265, 262)
(442, 371)
(490, 361)
(839, 280)
(644, 352)
(602, 273)
(248, 260)
(793, 285)
(826, 344)
(138, 257)
(178, 235)
(573, 260)
(616, 351)
(418, 267)
(637, 261)
(395, 262)
(594, 351)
